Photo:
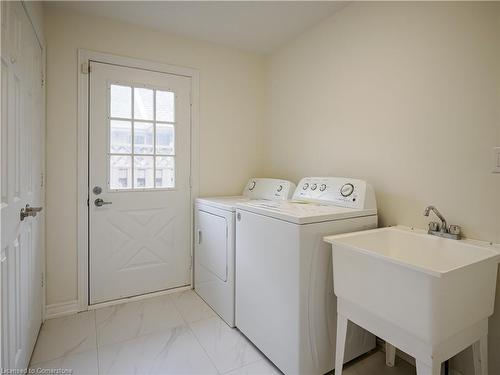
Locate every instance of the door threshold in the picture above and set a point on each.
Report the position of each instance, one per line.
(139, 297)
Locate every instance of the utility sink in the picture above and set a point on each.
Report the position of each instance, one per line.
(429, 287)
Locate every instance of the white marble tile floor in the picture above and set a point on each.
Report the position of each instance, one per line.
(172, 334)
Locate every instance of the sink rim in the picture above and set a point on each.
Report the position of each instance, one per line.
(483, 245)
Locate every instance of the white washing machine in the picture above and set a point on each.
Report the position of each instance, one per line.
(285, 303)
(215, 242)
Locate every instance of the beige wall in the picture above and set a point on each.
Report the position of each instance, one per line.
(405, 96)
(231, 113)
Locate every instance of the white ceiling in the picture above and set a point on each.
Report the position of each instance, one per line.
(256, 26)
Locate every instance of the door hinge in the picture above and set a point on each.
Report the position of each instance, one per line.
(87, 201)
(191, 262)
(42, 79)
(43, 283)
(86, 68)
(41, 180)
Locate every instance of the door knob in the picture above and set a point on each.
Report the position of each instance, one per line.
(29, 211)
(99, 202)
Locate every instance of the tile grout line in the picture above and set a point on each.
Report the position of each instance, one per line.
(185, 324)
(141, 335)
(218, 317)
(96, 344)
(64, 355)
(203, 348)
(194, 334)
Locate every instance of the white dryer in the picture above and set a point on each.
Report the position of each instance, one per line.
(215, 242)
(285, 302)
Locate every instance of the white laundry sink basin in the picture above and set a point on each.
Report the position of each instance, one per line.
(430, 287)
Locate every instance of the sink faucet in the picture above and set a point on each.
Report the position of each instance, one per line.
(428, 209)
(441, 230)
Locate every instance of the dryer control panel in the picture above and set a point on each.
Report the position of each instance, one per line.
(269, 188)
(338, 191)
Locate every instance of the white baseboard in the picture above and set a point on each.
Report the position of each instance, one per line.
(57, 310)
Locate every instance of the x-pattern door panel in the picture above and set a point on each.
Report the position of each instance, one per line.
(139, 168)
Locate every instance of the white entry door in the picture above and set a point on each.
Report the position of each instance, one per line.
(139, 181)
(21, 185)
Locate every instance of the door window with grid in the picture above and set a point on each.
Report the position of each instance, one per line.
(141, 138)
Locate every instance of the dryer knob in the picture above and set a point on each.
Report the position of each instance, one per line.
(322, 187)
(252, 185)
(280, 188)
(314, 186)
(306, 185)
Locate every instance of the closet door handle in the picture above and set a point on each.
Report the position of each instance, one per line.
(199, 236)
(29, 211)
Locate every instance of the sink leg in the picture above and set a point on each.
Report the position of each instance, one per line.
(480, 354)
(390, 354)
(340, 349)
(426, 369)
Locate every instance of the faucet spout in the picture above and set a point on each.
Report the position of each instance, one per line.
(444, 226)
(443, 230)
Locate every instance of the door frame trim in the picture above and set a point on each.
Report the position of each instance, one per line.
(84, 56)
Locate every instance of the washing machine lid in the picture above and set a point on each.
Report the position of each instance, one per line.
(298, 212)
(223, 203)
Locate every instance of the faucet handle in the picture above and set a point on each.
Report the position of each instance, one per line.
(454, 229)
(433, 226)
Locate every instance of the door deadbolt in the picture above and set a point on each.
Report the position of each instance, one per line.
(97, 190)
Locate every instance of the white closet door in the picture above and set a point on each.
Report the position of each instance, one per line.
(21, 166)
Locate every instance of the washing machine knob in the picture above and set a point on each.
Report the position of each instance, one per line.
(314, 186)
(322, 187)
(252, 185)
(347, 189)
(306, 185)
(280, 188)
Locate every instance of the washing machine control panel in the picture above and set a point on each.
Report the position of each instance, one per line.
(338, 191)
(269, 188)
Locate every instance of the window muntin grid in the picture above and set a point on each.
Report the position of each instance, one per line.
(141, 145)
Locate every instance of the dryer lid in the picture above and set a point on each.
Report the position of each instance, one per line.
(222, 203)
(256, 188)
